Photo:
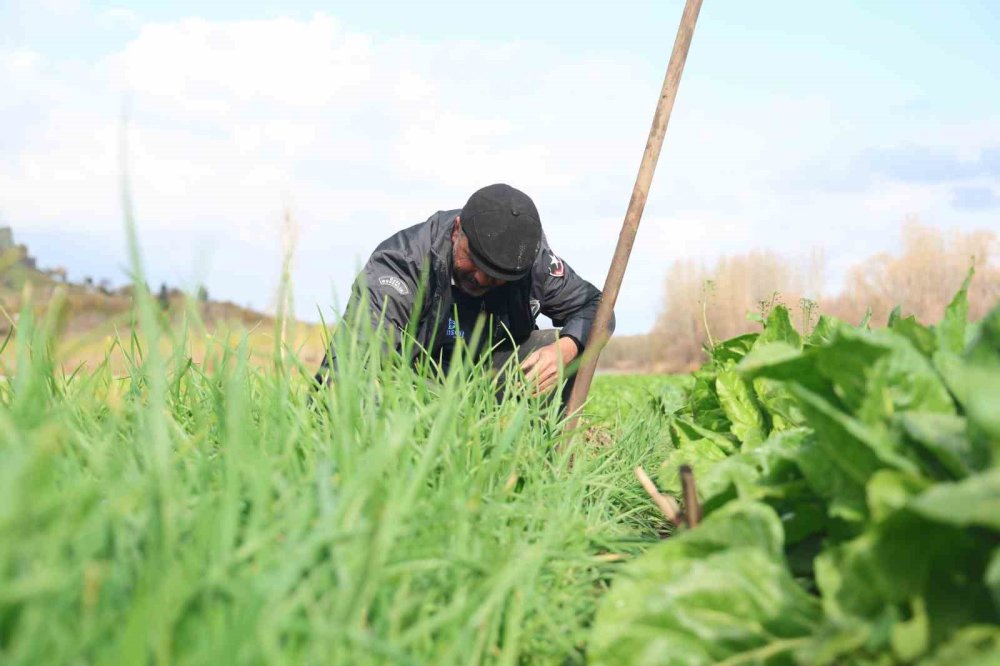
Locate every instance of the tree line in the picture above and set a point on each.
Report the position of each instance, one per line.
(702, 303)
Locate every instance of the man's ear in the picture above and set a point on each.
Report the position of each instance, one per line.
(456, 228)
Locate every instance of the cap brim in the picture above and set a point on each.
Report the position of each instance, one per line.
(492, 270)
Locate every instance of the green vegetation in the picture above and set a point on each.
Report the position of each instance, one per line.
(851, 483)
(186, 515)
(223, 512)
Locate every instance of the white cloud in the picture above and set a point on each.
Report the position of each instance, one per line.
(366, 135)
(20, 62)
(116, 17)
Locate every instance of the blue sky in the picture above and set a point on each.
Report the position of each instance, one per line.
(798, 126)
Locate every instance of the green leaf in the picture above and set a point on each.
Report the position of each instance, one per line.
(823, 331)
(844, 456)
(866, 320)
(847, 361)
(737, 399)
(978, 645)
(842, 492)
(732, 350)
(992, 577)
(910, 638)
(974, 501)
(683, 430)
(779, 328)
(950, 330)
(879, 373)
(904, 560)
(700, 454)
(894, 316)
(944, 438)
(984, 351)
(782, 362)
(921, 337)
(889, 491)
(717, 594)
(846, 642)
(771, 355)
(983, 405)
(704, 404)
(755, 473)
(975, 381)
(901, 381)
(777, 403)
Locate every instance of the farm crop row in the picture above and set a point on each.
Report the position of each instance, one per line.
(851, 484)
(225, 513)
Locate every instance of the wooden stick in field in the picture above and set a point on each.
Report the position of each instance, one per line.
(692, 509)
(666, 504)
(599, 332)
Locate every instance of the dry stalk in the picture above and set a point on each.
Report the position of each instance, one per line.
(667, 505)
(692, 509)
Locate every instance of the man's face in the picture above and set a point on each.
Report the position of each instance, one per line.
(467, 275)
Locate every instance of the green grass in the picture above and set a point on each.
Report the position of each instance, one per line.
(181, 515)
(617, 400)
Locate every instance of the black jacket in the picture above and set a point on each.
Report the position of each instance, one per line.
(391, 279)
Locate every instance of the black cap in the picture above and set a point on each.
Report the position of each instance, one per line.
(503, 230)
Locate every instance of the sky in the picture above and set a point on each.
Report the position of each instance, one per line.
(797, 126)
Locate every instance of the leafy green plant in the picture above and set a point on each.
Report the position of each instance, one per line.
(877, 454)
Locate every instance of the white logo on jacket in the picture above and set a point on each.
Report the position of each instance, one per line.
(395, 283)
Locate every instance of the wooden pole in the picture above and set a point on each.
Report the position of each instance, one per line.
(692, 508)
(599, 333)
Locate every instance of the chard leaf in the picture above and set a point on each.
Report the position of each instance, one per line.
(921, 337)
(737, 399)
(901, 561)
(974, 501)
(700, 454)
(903, 380)
(843, 494)
(951, 329)
(944, 437)
(984, 404)
(718, 594)
(731, 351)
(782, 362)
(704, 404)
(985, 348)
(847, 361)
(878, 374)
(823, 331)
(779, 328)
(890, 491)
(777, 403)
(755, 473)
(771, 355)
(846, 453)
(992, 577)
(683, 430)
(978, 645)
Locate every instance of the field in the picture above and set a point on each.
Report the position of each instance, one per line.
(226, 516)
(226, 512)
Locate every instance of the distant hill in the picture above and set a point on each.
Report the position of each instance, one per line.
(95, 311)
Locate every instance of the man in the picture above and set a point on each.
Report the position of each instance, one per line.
(488, 259)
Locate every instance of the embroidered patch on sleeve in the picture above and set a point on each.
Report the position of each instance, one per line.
(395, 283)
(556, 266)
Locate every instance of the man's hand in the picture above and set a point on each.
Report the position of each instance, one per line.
(542, 366)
